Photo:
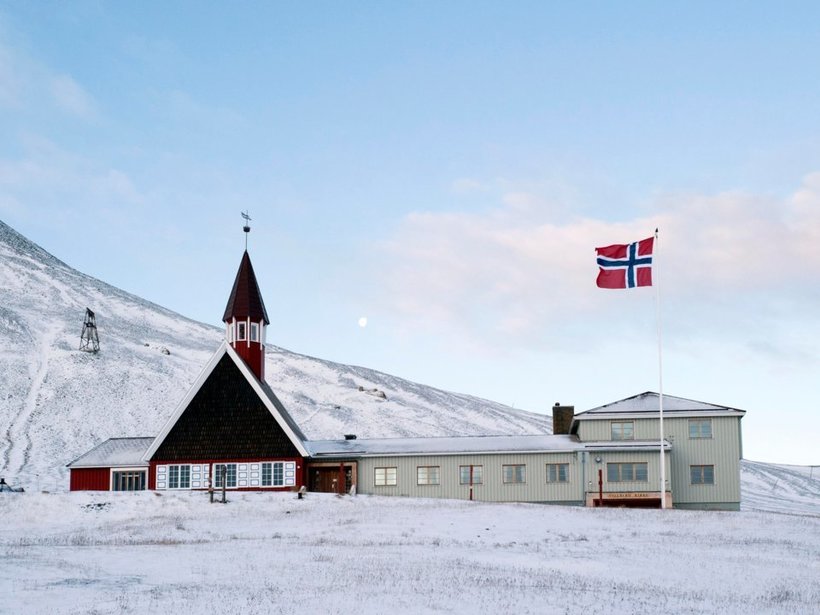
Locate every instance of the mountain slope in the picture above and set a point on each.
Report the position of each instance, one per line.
(56, 402)
(768, 487)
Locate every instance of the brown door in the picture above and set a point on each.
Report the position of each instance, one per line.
(324, 479)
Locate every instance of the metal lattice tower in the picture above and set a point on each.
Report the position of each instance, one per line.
(89, 341)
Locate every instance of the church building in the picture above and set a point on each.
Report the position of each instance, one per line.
(231, 431)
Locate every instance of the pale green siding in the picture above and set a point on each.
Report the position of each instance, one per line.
(653, 465)
(722, 451)
(600, 429)
(493, 489)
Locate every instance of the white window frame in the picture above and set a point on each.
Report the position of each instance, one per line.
(254, 332)
(701, 474)
(512, 476)
(464, 475)
(557, 472)
(386, 476)
(143, 480)
(230, 469)
(633, 474)
(428, 475)
(697, 426)
(176, 483)
(241, 331)
(619, 432)
(277, 474)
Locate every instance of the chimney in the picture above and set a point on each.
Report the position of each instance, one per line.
(562, 418)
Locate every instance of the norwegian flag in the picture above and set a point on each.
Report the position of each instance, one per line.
(625, 265)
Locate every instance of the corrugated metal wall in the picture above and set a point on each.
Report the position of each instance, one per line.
(652, 459)
(722, 451)
(90, 479)
(493, 488)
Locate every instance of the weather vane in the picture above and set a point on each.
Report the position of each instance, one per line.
(246, 228)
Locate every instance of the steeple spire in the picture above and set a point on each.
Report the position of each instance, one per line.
(245, 301)
(245, 315)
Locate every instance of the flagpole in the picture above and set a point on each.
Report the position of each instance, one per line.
(656, 284)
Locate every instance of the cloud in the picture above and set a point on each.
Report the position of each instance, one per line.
(70, 97)
(27, 86)
(64, 185)
(522, 274)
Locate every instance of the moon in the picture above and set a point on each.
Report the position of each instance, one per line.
(363, 322)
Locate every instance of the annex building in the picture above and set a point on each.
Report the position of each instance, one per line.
(231, 431)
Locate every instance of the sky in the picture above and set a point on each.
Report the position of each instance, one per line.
(427, 183)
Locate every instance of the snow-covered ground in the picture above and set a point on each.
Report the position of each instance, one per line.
(272, 553)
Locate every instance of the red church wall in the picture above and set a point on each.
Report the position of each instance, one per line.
(90, 479)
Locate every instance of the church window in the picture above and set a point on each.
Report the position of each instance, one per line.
(226, 471)
(129, 480)
(179, 477)
(273, 474)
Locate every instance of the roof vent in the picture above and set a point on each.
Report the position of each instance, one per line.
(350, 436)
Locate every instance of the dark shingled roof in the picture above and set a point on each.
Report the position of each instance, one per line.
(245, 300)
(226, 419)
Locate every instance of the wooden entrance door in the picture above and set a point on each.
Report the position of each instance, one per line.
(331, 478)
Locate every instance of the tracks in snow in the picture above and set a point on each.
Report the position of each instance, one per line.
(17, 453)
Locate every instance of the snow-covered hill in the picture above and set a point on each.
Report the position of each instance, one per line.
(769, 487)
(56, 402)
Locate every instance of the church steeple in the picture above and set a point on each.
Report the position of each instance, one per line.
(246, 318)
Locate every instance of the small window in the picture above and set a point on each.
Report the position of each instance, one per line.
(179, 477)
(470, 475)
(515, 474)
(240, 331)
(702, 475)
(254, 332)
(622, 430)
(557, 472)
(230, 475)
(626, 472)
(427, 475)
(385, 477)
(129, 481)
(700, 429)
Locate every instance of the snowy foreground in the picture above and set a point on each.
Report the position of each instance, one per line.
(143, 552)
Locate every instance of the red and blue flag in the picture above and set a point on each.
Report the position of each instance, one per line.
(625, 265)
